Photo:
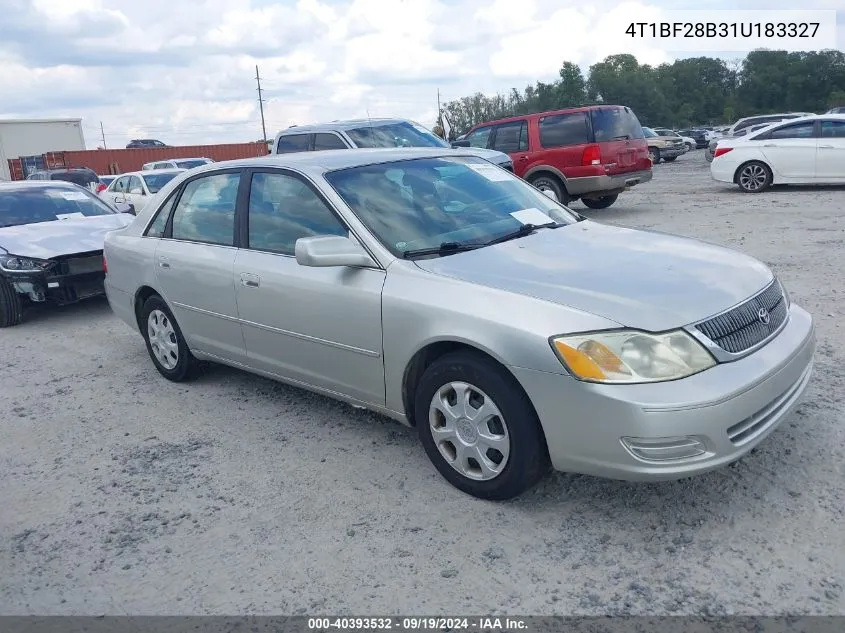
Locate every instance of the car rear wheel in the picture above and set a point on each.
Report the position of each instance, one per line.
(11, 306)
(670, 159)
(754, 177)
(550, 184)
(690, 147)
(478, 427)
(165, 343)
(600, 203)
(654, 155)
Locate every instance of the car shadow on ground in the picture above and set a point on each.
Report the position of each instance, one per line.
(44, 313)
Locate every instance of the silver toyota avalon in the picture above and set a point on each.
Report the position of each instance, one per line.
(443, 291)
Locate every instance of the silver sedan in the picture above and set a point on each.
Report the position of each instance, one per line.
(443, 291)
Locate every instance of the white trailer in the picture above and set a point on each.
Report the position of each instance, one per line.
(33, 137)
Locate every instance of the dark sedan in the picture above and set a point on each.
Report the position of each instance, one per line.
(700, 137)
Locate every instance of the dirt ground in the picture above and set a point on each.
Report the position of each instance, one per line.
(122, 493)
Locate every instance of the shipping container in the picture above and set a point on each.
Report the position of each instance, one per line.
(120, 161)
(34, 137)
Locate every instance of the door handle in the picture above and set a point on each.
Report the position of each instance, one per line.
(163, 263)
(769, 145)
(523, 158)
(825, 146)
(250, 281)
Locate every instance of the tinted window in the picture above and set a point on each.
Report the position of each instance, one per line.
(479, 137)
(511, 137)
(292, 143)
(206, 210)
(282, 209)
(81, 178)
(157, 181)
(422, 203)
(328, 141)
(833, 129)
(611, 124)
(190, 164)
(761, 119)
(162, 166)
(558, 130)
(156, 229)
(798, 130)
(402, 134)
(48, 204)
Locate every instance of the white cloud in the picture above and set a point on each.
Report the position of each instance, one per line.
(185, 71)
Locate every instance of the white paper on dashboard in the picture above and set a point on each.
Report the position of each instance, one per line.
(74, 195)
(69, 216)
(491, 172)
(532, 216)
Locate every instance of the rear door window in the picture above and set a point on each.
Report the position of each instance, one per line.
(559, 130)
(291, 143)
(511, 137)
(833, 129)
(325, 140)
(796, 130)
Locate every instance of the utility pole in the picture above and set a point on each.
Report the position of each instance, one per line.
(261, 104)
(439, 111)
(103, 134)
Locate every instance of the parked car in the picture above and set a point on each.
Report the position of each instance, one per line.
(593, 153)
(711, 148)
(144, 142)
(51, 244)
(81, 176)
(687, 141)
(138, 188)
(839, 110)
(440, 290)
(660, 147)
(177, 163)
(700, 137)
(809, 150)
(369, 134)
(763, 118)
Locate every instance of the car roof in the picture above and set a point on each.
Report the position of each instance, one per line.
(522, 117)
(332, 126)
(170, 170)
(330, 160)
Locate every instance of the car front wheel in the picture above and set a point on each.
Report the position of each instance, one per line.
(754, 177)
(165, 343)
(599, 203)
(479, 428)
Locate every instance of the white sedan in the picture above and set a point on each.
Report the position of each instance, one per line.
(138, 187)
(809, 150)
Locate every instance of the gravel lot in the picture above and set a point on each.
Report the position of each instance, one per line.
(122, 493)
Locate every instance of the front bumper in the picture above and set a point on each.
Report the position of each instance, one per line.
(671, 152)
(606, 185)
(727, 410)
(60, 284)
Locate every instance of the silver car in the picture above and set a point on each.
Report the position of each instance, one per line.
(447, 293)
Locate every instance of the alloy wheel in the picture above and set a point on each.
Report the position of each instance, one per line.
(162, 338)
(752, 177)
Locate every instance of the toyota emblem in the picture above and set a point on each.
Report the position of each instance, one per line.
(763, 315)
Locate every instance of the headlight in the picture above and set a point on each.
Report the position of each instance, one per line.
(17, 264)
(630, 356)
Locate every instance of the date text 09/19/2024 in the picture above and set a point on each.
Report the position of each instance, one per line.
(479, 624)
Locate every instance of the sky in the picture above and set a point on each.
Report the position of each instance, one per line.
(184, 71)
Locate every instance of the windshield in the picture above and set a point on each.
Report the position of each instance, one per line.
(81, 178)
(156, 181)
(649, 132)
(423, 203)
(190, 164)
(48, 204)
(403, 134)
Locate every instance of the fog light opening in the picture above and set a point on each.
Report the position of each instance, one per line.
(663, 449)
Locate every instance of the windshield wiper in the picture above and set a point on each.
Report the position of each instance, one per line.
(445, 248)
(522, 231)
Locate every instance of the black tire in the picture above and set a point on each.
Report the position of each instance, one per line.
(11, 306)
(552, 183)
(528, 458)
(600, 203)
(670, 159)
(753, 177)
(654, 154)
(186, 366)
(690, 147)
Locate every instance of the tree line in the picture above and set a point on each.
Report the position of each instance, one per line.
(687, 92)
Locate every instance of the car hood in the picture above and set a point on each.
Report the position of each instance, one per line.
(640, 279)
(491, 155)
(44, 240)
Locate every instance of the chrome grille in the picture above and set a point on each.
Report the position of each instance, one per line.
(742, 328)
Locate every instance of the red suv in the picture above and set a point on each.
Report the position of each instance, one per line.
(593, 153)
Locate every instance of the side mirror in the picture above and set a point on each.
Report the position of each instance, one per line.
(136, 191)
(125, 207)
(331, 250)
(463, 143)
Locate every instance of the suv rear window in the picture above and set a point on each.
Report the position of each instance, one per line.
(611, 124)
(292, 143)
(564, 129)
(81, 178)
